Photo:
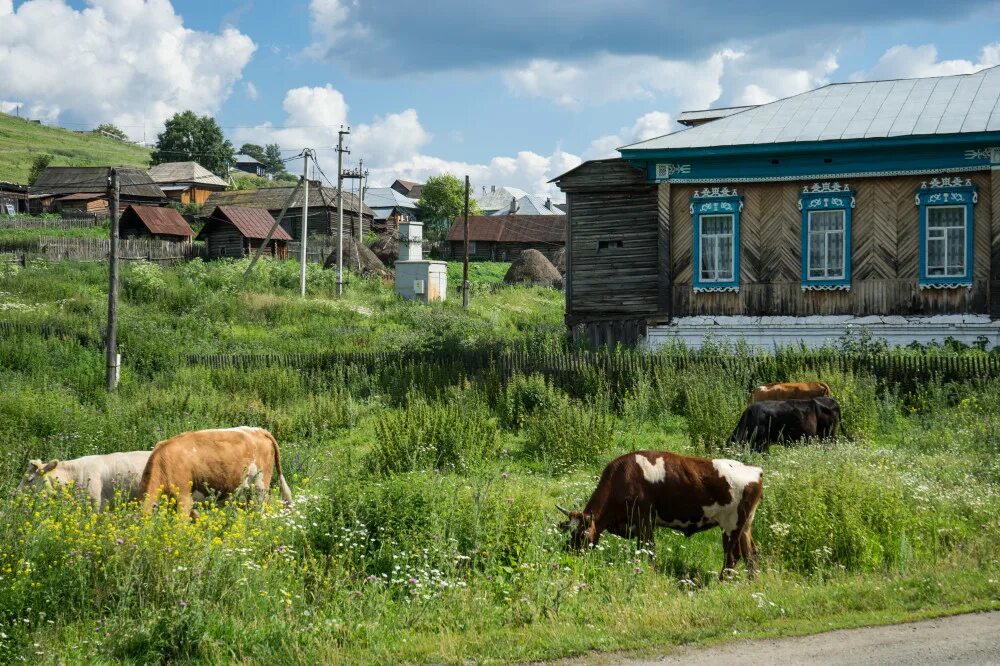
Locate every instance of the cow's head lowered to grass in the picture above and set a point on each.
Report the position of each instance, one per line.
(580, 527)
(38, 475)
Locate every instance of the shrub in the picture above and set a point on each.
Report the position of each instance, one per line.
(446, 436)
(570, 434)
(712, 403)
(143, 282)
(525, 395)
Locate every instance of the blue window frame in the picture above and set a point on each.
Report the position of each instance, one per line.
(827, 212)
(946, 232)
(715, 213)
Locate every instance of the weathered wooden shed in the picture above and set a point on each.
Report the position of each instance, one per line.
(236, 232)
(872, 205)
(503, 238)
(154, 222)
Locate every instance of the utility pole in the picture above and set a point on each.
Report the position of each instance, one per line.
(113, 360)
(305, 221)
(340, 207)
(465, 260)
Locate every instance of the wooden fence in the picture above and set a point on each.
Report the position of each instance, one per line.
(902, 368)
(97, 249)
(29, 222)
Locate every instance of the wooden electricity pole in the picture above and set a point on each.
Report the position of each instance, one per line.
(465, 260)
(340, 208)
(113, 361)
(305, 221)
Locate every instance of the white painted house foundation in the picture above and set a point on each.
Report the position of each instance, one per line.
(770, 332)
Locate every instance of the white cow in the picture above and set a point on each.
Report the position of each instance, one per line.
(99, 476)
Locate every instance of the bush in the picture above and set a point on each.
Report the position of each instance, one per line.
(526, 394)
(446, 436)
(712, 403)
(570, 434)
(143, 282)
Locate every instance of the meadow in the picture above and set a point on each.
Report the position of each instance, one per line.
(424, 526)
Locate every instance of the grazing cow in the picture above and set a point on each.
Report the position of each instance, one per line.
(218, 462)
(645, 489)
(789, 391)
(99, 476)
(769, 421)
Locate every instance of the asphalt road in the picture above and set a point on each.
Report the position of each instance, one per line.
(960, 639)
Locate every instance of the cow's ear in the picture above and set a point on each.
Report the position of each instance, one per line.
(35, 464)
(50, 465)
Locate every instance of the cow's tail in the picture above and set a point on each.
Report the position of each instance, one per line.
(286, 492)
(843, 431)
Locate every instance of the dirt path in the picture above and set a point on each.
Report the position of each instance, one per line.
(960, 639)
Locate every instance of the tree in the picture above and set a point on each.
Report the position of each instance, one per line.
(109, 130)
(271, 160)
(442, 199)
(40, 164)
(253, 150)
(186, 137)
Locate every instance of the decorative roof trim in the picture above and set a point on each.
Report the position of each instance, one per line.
(858, 174)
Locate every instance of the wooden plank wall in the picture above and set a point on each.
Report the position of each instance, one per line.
(614, 280)
(885, 254)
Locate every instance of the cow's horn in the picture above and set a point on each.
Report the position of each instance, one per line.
(564, 511)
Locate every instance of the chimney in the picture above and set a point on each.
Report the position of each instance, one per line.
(513, 205)
(548, 202)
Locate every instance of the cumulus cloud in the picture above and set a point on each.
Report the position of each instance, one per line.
(612, 78)
(767, 83)
(252, 91)
(394, 145)
(906, 62)
(648, 126)
(130, 62)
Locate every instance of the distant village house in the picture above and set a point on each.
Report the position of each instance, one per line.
(84, 190)
(389, 208)
(249, 165)
(153, 222)
(235, 232)
(408, 188)
(186, 182)
(503, 238)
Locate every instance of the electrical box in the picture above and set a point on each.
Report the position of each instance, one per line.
(418, 287)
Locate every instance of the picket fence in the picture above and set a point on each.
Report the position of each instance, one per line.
(29, 222)
(97, 249)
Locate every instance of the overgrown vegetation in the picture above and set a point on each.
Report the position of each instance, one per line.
(424, 522)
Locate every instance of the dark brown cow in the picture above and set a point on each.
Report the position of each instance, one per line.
(789, 391)
(768, 421)
(645, 489)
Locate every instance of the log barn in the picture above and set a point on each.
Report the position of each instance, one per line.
(857, 206)
(85, 189)
(154, 222)
(504, 237)
(236, 232)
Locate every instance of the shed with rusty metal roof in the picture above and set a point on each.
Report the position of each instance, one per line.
(154, 222)
(233, 231)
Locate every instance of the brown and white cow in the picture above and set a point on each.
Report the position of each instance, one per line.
(214, 462)
(790, 391)
(645, 489)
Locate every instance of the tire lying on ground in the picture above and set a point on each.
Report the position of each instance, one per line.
(359, 260)
(533, 268)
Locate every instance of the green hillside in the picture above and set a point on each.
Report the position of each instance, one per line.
(21, 141)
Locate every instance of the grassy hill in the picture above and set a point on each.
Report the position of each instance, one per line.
(21, 141)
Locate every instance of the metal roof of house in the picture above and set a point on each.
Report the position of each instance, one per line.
(184, 172)
(530, 205)
(240, 158)
(273, 198)
(497, 198)
(73, 180)
(160, 220)
(386, 197)
(871, 109)
(541, 229)
(692, 118)
(252, 223)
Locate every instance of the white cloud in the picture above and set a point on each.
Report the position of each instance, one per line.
(252, 93)
(906, 62)
(611, 78)
(129, 62)
(767, 84)
(393, 145)
(330, 24)
(648, 126)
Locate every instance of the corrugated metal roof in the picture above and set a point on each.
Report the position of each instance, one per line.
(240, 158)
(542, 229)
(184, 172)
(497, 198)
(253, 223)
(160, 220)
(530, 205)
(386, 197)
(871, 109)
(692, 118)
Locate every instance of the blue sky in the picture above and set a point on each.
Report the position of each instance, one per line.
(512, 93)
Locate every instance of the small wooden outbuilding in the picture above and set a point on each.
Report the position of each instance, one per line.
(504, 238)
(236, 232)
(154, 222)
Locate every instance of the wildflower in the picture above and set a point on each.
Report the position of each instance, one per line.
(119, 541)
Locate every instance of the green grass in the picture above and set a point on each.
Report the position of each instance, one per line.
(26, 235)
(424, 527)
(22, 141)
(480, 272)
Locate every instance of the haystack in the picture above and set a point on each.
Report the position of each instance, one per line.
(559, 260)
(386, 248)
(533, 268)
(359, 260)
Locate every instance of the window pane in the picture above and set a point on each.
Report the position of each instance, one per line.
(717, 224)
(935, 257)
(725, 263)
(945, 216)
(817, 255)
(707, 258)
(946, 241)
(956, 251)
(835, 254)
(826, 220)
(826, 244)
(716, 247)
